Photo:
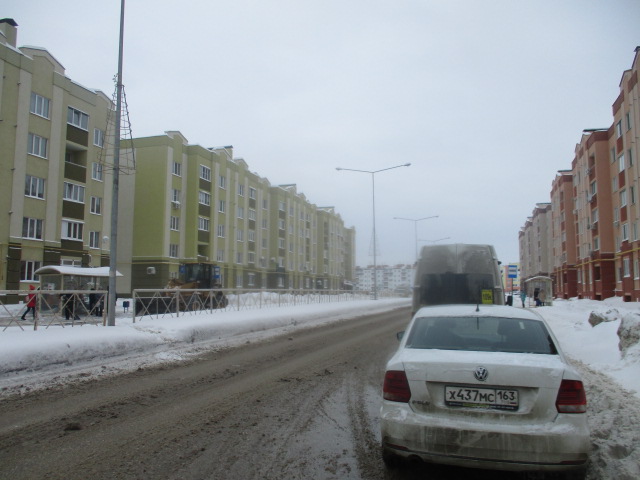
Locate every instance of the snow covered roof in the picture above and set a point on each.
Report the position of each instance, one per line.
(80, 271)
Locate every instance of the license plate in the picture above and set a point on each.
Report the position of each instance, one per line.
(493, 398)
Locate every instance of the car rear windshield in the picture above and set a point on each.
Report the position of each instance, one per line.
(481, 334)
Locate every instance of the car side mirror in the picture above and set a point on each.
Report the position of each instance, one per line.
(399, 335)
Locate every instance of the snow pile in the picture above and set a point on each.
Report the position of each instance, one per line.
(598, 345)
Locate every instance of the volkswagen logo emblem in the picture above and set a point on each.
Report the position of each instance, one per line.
(481, 374)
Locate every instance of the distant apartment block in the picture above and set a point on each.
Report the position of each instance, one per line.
(389, 277)
(535, 242)
(595, 212)
(191, 204)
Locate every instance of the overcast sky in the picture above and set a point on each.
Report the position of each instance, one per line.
(485, 99)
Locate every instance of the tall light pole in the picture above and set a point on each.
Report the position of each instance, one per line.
(113, 252)
(415, 227)
(373, 202)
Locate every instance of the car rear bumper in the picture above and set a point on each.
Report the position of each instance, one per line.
(560, 445)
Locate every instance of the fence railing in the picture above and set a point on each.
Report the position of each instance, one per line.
(88, 307)
(54, 307)
(160, 303)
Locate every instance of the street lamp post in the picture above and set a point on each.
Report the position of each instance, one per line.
(415, 227)
(373, 202)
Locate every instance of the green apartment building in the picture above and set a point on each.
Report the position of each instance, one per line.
(55, 190)
(186, 204)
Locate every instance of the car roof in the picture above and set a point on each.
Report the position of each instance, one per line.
(481, 310)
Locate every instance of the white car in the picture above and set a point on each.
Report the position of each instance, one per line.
(484, 387)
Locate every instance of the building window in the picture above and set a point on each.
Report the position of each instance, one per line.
(265, 204)
(240, 235)
(72, 230)
(221, 231)
(240, 212)
(251, 257)
(627, 117)
(94, 239)
(623, 198)
(251, 235)
(204, 198)
(594, 216)
(222, 181)
(34, 187)
(96, 171)
(78, 119)
(596, 243)
(173, 250)
(96, 205)
(39, 105)
(252, 193)
(73, 192)
(626, 267)
(252, 214)
(241, 190)
(221, 206)
(175, 195)
(70, 262)
(239, 280)
(264, 223)
(280, 224)
(281, 243)
(98, 137)
(203, 224)
(176, 169)
(205, 173)
(625, 232)
(175, 223)
(37, 145)
(251, 279)
(621, 163)
(619, 129)
(629, 154)
(32, 228)
(220, 255)
(239, 258)
(281, 206)
(28, 270)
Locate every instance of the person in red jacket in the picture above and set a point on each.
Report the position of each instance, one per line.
(31, 303)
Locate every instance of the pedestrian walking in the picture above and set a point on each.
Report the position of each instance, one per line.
(31, 303)
(523, 297)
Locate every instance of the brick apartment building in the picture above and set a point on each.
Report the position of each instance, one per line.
(593, 238)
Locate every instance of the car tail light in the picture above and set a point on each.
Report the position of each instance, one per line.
(571, 397)
(396, 386)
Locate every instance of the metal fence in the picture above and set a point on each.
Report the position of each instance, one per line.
(159, 303)
(66, 308)
(53, 307)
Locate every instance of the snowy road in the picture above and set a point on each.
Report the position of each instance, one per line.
(303, 405)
